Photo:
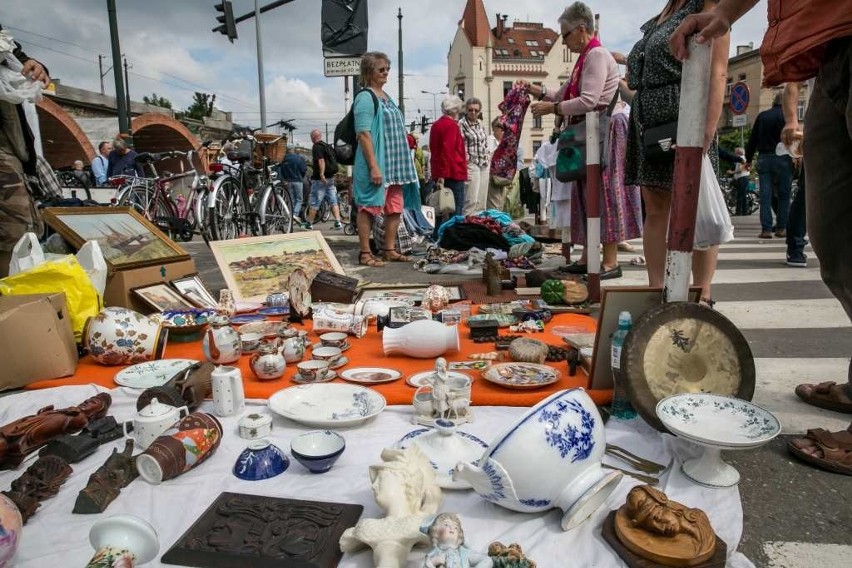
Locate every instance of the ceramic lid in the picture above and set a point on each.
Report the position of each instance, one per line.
(156, 409)
(255, 420)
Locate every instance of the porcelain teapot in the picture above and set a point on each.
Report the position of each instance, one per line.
(152, 421)
(221, 342)
(293, 349)
(549, 458)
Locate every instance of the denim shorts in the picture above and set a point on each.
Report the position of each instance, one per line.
(322, 189)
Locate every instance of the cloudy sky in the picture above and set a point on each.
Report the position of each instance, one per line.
(172, 51)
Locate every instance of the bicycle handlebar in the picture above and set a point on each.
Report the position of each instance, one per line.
(151, 157)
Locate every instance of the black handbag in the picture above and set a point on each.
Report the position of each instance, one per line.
(659, 142)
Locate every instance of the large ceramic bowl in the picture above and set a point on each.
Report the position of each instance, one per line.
(317, 450)
(327, 405)
(10, 525)
(549, 458)
(184, 323)
(118, 336)
(261, 460)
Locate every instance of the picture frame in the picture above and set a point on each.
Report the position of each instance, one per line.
(191, 288)
(634, 299)
(127, 240)
(412, 293)
(255, 267)
(161, 297)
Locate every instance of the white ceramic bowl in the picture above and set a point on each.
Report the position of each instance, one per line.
(317, 450)
(326, 353)
(549, 458)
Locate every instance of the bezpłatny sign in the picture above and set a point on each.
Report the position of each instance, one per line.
(342, 66)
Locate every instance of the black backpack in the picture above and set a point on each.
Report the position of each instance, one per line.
(345, 137)
(331, 165)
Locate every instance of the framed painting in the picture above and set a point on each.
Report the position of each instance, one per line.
(255, 267)
(161, 297)
(126, 238)
(634, 299)
(411, 293)
(191, 288)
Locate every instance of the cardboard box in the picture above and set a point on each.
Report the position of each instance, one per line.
(119, 283)
(36, 339)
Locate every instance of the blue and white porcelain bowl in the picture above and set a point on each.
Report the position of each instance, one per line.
(261, 460)
(549, 458)
(317, 450)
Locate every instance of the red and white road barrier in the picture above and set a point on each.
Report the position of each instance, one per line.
(692, 119)
(592, 188)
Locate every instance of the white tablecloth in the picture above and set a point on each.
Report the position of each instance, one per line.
(56, 537)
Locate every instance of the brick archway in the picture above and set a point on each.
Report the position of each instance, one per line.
(62, 139)
(156, 132)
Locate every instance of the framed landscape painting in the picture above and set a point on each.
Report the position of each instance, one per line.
(255, 267)
(126, 238)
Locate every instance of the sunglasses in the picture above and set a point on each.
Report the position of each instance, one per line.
(472, 109)
(571, 31)
(383, 70)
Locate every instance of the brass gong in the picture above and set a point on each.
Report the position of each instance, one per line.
(684, 347)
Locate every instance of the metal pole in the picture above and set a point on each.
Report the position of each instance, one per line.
(346, 104)
(120, 102)
(101, 71)
(260, 81)
(401, 99)
(694, 86)
(593, 199)
(127, 89)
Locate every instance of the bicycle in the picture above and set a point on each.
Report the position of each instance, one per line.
(324, 210)
(730, 194)
(174, 202)
(247, 200)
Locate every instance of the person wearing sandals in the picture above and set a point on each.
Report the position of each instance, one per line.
(384, 178)
(818, 27)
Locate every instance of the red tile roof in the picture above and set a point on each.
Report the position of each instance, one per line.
(475, 23)
(524, 40)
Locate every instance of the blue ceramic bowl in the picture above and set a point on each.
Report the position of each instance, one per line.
(261, 460)
(317, 450)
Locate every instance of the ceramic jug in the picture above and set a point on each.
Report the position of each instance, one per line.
(152, 421)
(422, 339)
(123, 540)
(221, 342)
(118, 336)
(228, 394)
(267, 363)
(182, 447)
(293, 349)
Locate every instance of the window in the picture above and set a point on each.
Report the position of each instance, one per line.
(533, 53)
(728, 85)
(742, 77)
(532, 43)
(511, 40)
(548, 41)
(536, 122)
(480, 65)
(507, 86)
(536, 146)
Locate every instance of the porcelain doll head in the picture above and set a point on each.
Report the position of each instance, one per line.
(404, 484)
(446, 531)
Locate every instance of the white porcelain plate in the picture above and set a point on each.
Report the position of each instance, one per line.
(421, 379)
(151, 374)
(327, 405)
(718, 420)
(265, 328)
(445, 451)
(370, 375)
(521, 375)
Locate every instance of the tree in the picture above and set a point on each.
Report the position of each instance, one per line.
(202, 106)
(157, 100)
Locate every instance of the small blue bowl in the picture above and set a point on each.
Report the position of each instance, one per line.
(317, 450)
(261, 460)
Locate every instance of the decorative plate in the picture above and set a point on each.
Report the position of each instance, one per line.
(521, 375)
(503, 320)
(421, 379)
(267, 329)
(445, 450)
(152, 373)
(246, 307)
(183, 322)
(329, 405)
(246, 318)
(370, 375)
(274, 311)
(300, 292)
(329, 376)
(684, 348)
(718, 420)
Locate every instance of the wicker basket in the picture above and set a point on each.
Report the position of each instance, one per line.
(274, 152)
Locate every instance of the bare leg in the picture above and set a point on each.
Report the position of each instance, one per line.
(365, 225)
(703, 269)
(391, 227)
(335, 211)
(610, 256)
(657, 209)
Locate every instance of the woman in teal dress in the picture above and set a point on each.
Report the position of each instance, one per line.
(384, 178)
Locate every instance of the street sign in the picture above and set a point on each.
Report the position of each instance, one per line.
(740, 120)
(739, 97)
(342, 66)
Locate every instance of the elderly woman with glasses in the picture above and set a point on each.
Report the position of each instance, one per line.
(592, 85)
(448, 160)
(384, 178)
(478, 158)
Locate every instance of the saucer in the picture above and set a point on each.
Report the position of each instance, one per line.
(329, 376)
(345, 347)
(247, 318)
(370, 375)
(246, 307)
(341, 361)
(274, 311)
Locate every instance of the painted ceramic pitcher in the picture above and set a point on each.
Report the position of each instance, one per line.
(179, 449)
(221, 342)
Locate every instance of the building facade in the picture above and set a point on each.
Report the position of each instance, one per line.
(485, 61)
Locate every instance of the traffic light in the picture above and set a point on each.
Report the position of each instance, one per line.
(423, 124)
(229, 26)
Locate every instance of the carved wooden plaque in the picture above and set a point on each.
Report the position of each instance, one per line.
(240, 530)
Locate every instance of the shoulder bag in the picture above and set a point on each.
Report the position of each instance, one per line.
(571, 147)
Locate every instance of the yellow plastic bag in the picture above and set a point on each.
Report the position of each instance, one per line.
(62, 275)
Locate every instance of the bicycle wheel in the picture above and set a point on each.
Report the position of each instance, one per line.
(324, 211)
(277, 212)
(345, 205)
(139, 198)
(753, 202)
(227, 214)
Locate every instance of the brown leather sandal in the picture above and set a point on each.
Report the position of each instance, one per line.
(835, 449)
(396, 256)
(828, 395)
(371, 260)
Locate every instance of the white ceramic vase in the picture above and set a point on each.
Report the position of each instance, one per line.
(549, 458)
(422, 339)
(118, 336)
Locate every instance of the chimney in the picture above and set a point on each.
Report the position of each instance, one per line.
(745, 48)
(499, 30)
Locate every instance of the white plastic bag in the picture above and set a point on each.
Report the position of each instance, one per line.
(93, 262)
(28, 254)
(712, 222)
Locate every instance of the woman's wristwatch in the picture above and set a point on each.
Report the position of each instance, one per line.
(543, 92)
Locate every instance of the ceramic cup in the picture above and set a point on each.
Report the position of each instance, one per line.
(330, 354)
(182, 447)
(277, 300)
(250, 341)
(333, 339)
(313, 370)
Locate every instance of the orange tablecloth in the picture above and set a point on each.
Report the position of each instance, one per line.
(367, 351)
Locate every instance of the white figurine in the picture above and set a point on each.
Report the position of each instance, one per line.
(405, 489)
(448, 549)
(440, 389)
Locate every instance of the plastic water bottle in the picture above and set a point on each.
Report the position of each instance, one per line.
(621, 407)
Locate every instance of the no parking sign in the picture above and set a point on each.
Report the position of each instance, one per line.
(740, 96)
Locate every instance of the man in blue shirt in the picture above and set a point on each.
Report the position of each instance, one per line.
(101, 163)
(122, 160)
(291, 171)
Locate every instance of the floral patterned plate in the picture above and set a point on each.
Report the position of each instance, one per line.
(327, 405)
(718, 420)
(370, 375)
(521, 375)
(152, 373)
